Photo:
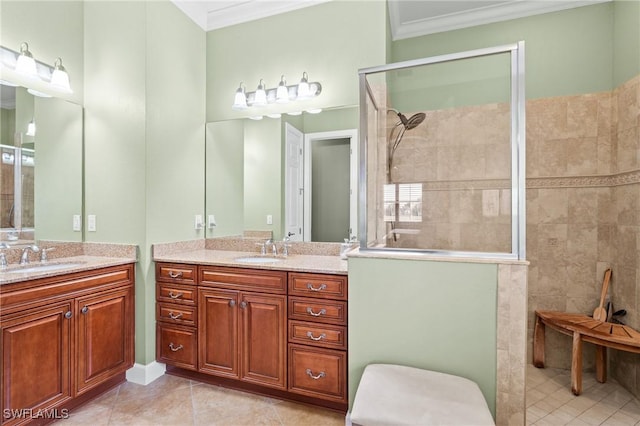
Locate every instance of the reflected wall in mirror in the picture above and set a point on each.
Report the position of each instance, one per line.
(293, 175)
(41, 169)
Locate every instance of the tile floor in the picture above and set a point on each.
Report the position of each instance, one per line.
(551, 403)
(173, 400)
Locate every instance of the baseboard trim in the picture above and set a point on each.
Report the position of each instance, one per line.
(145, 374)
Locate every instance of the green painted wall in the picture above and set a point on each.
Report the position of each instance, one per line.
(433, 315)
(320, 40)
(225, 177)
(262, 175)
(332, 119)
(58, 172)
(144, 137)
(626, 40)
(567, 52)
(7, 126)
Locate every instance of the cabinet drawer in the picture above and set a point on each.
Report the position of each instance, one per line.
(177, 346)
(319, 373)
(323, 335)
(317, 285)
(176, 273)
(176, 314)
(244, 279)
(318, 310)
(176, 293)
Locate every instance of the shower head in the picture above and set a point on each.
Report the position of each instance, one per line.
(407, 124)
(411, 122)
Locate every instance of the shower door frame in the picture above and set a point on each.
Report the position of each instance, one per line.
(518, 150)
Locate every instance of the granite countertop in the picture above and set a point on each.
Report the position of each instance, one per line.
(60, 266)
(294, 262)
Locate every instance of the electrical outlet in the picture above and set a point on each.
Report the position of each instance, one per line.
(211, 221)
(91, 223)
(197, 222)
(269, 219)
(77, 222)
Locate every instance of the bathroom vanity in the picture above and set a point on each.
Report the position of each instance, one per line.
(66, 337)
(277, 329)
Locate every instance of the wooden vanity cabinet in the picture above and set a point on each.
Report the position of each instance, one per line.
(274, 332)
(176, 315)
(242, 332)
(64, 339)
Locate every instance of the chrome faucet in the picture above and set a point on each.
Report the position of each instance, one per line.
(3, 255)
(274, 249)
(285, 245)
(24, 259)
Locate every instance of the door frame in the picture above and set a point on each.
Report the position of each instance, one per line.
(309, 138)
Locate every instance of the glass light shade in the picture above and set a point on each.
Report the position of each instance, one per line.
(26, 64)
(38, 93)
(260, 98)
(31, 128)
(60, 78)
(303, 87)
(282, 93)
(240, 101)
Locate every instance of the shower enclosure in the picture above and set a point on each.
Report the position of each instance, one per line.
(442, 151)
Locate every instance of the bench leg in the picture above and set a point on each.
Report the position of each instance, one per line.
(538, 343)
(601, 363)
(576, 364)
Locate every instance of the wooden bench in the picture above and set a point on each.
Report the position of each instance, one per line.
(584, 328)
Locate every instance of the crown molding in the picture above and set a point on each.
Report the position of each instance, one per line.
(479, 16)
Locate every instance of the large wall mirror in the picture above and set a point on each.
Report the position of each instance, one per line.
(41, 170)
(295, 176)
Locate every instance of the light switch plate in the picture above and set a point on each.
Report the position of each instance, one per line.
(211, 221)
(197, 222)
(77, 222)
(91, 223)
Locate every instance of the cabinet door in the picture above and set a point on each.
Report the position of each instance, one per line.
(218, 332)
(36, 358)
(105, 337)
(263, 353)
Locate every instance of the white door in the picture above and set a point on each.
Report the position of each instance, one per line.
(294, 183)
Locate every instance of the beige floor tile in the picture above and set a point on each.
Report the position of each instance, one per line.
(302, 415)
(239, 416)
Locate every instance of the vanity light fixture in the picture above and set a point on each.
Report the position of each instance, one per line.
(281, 94)
(59, 77)
(25, 64)
(240, 101)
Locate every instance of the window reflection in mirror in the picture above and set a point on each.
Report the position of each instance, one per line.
(41, 167)
(255, 174)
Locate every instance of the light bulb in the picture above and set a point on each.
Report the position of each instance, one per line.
(303, 87)
(59, 77)
(240, 101)
(282, 94)
(260, 98)
(26, 64)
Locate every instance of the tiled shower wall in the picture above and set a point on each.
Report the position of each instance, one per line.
(583, 201)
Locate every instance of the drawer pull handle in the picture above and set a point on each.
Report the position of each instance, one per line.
(175, 274)
(175, 295)
(175, 349)
(322, 312)
(243, 304)
(310, 336)
(84, 309)
(232, 303)
(175, 317)
(319, 376)
(312, 288)
(68, 314)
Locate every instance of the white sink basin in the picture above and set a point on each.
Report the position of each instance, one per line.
(257, 259)
(47, 267)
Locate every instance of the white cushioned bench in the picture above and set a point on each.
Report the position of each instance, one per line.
(398, 395)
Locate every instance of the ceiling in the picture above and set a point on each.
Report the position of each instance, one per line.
(408, 18)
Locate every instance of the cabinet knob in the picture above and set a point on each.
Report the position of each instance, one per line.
(175, 274)
(68, 315)
(84, 309)
(319, 376)
(319, 288)
(316, 314)
(175, 348)
(175, 317)
(243, 304)
(175, 295)
(312, 337)
(232, 303)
